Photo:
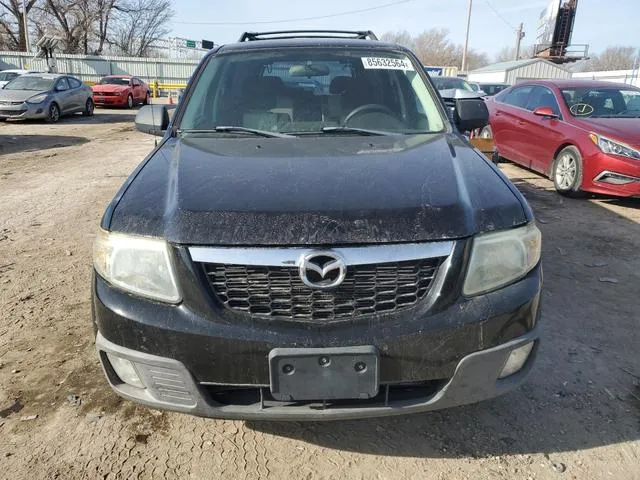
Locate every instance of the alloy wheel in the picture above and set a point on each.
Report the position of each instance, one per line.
(566, 171)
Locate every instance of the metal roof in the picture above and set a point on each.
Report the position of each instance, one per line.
(512, 65)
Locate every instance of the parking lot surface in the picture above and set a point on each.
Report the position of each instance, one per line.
(578, 417)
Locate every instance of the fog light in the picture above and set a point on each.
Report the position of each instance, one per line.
(517, 359)
(125, 370)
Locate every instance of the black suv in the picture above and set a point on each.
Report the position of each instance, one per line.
(313, 238)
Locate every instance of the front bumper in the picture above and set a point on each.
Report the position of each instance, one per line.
(24, 111)
(109, 100)
(170, 386)
(451, 349)
(612, 175)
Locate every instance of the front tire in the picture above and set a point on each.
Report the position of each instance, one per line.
(147, 99)
(130, 101)
(567, 172)
(89, 107)
(54, 113)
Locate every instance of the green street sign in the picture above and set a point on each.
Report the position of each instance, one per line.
(191, 44)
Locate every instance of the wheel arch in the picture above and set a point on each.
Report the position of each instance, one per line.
(557, 152)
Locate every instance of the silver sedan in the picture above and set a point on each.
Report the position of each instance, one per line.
(46, 96)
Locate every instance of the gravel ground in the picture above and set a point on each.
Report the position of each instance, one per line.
(578, 417)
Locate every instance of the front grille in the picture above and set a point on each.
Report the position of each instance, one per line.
(278, 292)
(107, 94)
(12, 112)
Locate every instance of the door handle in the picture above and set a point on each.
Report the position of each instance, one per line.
(498, 114)
(521, 123)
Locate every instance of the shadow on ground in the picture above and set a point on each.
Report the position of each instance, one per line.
(26, 143)
(103, 115)
(584, 391)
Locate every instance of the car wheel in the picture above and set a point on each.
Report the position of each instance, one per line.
(495, 157)
(567, 172)
(54, 113)
(147, 99)
(88, 108)
(486, 132)
(129, 101)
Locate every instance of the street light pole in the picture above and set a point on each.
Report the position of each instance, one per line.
(466, 40)
(26, 27)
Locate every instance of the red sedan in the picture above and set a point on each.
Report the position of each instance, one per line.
(120, 91)
(584, 135)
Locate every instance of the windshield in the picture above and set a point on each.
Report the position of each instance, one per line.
(492, 89)
(603, 102)
(308, 90)
(25, 82)
(114, 81)
(6, 76)
(448, 83)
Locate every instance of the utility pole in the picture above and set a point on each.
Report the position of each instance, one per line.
(26, 27)
(519, 37)
(466, 41)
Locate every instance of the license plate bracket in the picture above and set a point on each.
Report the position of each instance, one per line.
(324, 373)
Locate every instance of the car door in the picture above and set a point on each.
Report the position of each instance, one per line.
(506, 123)
(78, 93)
(64, 95)
(541, 134)
(137, 90)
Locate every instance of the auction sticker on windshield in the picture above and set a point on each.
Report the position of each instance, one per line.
(387, 63)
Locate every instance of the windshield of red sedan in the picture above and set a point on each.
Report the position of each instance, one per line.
(603, 102)
(114, 81)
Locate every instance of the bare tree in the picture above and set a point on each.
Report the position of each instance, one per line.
(104, 10)
(12, 33)
(140, 24)
(507, 54)
(613, 58)
(433, 47)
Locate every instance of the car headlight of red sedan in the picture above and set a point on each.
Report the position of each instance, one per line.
(614, 148)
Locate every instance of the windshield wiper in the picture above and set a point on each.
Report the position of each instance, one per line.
(358, 131)
(232, 128)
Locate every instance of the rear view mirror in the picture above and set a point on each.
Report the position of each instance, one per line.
(471, 114)
(309, 70)
(152, 119)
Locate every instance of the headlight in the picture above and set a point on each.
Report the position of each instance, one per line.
(38, 98)
(500, 258)
(138, 265)
(615, 148)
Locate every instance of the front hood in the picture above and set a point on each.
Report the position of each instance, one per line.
(316, 191)
(626, 130)
(109, 88)
(17, 95)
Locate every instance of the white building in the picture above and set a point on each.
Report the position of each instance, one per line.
(518, 70)
(630, 77)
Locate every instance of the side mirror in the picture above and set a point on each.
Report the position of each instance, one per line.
(152, 119)
(471, 114)
(546, 112)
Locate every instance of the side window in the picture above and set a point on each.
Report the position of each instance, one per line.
(74, 82)
(542, 97)
(135, 82)
(518, 97)
(62, 85)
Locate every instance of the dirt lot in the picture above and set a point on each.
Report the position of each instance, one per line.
(578, 417)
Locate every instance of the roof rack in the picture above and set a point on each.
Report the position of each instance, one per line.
(289, 34)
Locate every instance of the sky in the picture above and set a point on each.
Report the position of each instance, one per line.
(491, 28)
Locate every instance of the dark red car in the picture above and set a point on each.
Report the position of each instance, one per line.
(120, 91)
(584, 135)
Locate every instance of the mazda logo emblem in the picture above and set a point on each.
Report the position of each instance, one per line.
(322, 269)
